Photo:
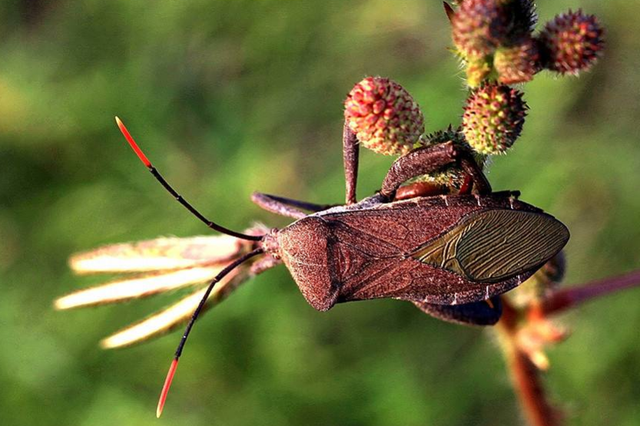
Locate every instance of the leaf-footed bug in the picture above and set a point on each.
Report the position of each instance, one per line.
(450, 255)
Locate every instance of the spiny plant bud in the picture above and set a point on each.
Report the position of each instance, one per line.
(384, 116)
(478, 69)
(517, 64)
(493, 118)
(479, 26)
(571, 42)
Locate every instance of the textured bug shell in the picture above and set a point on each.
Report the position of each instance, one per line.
(304, 247)
(382, 250)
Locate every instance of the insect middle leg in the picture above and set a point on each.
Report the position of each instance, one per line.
(422, 161)
(285, 206)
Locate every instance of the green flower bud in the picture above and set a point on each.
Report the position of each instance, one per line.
(478, 70)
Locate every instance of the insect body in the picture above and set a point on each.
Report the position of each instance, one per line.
(444, 250)
(447, 254)
(450, 255)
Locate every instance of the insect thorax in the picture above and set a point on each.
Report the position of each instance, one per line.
(303, 247)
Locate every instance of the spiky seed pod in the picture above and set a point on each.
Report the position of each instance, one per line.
(571, 42)
(493, 118)
(384, 116)
(479, 26)
(517, 64)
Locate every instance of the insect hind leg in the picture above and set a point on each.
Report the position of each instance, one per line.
(426, 160)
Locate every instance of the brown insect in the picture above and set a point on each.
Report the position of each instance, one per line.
(450, 255)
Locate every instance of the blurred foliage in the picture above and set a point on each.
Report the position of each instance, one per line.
(228, 97)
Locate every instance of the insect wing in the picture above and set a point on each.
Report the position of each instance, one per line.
(495, 245)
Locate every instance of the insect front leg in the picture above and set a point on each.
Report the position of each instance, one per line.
(285, 206)
(486, 312)
(350, 149)
(426, 160)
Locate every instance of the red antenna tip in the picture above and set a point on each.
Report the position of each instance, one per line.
(133, 143)
(166, 386)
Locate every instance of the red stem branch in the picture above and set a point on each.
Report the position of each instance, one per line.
(525, 376)
(530, 390)
(570, 297)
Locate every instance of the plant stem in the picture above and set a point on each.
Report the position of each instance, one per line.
(570, 297)
(525, 376)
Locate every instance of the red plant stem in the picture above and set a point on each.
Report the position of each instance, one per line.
(570, 297)
(528, 385)
(525, 376)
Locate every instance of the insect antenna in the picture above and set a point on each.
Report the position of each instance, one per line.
(187, 330)
(173, 192)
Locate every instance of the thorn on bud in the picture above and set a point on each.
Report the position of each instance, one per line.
(448, 10)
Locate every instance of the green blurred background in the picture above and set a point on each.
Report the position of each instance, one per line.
(228, 97)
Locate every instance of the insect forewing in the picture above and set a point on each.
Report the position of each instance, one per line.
(495, 245)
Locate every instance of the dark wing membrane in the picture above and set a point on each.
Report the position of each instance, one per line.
(495, 245)
(503, 243)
